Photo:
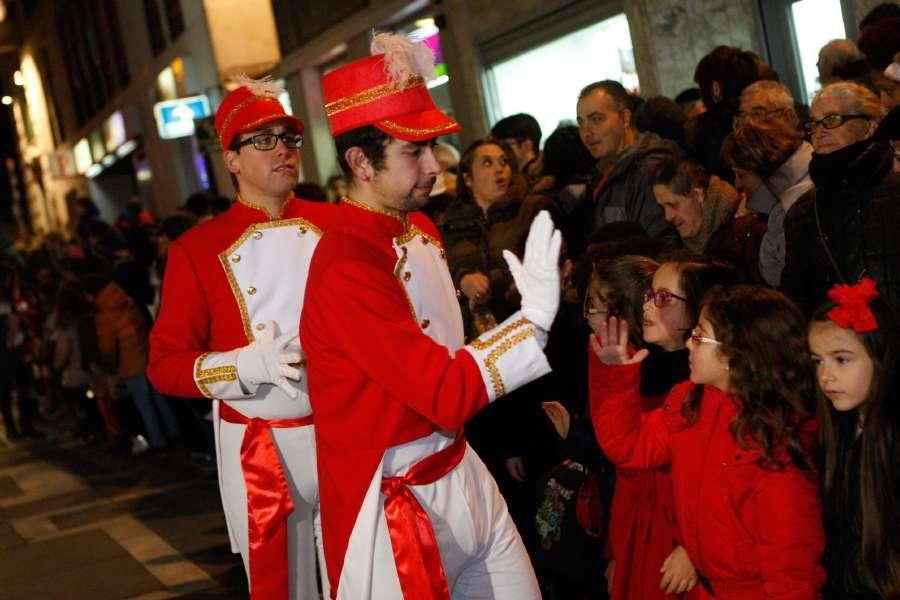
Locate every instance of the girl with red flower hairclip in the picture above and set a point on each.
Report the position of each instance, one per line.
(853, 340)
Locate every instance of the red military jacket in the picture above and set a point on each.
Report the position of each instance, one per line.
(383, 332)
(224, 283)
(754, 533)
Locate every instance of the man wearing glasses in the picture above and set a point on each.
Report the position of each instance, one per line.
(227, 330)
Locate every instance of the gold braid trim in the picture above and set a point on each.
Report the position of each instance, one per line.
(302, 226)
(490, 362)
(370, 95)
(360, 205)
(206, 377)
(233, 112)
(394, 126)
(485, 344)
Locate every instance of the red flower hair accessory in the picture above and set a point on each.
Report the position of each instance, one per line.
(852, 310)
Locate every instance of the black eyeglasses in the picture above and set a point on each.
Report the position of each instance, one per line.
(830, 122)
(267, 141)
(661, 297)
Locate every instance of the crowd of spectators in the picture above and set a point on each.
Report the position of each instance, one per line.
(660, 201)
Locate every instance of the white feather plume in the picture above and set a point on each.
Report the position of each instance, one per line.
(403, 57)
(265, 87)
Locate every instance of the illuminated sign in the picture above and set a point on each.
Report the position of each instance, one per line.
(175, 118)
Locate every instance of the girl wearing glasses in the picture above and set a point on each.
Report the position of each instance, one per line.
(846, 228)
(646, 560)
(737, 438)
(853, 340)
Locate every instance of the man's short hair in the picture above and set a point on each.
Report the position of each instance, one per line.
(777, 92)
(680, 175)
(843, 60)
(369, 139)
(519, 127)
(615, 90)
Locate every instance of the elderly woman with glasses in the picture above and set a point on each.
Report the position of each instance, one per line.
(661, 304)
(846, 228)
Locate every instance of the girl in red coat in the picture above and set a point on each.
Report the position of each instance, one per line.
(737, 438)
(646, 561)
(854, 343)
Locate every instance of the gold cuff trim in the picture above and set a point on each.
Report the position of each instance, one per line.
(370, 95)
(206, 377)
(485, 344)
(490, 362)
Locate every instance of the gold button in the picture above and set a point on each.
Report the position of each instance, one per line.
(405, 250)
(302, 230)
(425, 323)
(260, 326)
(444, 254)
(251, 290)
(407, 276)
(235, 258)
(257, 235)
(424, 241)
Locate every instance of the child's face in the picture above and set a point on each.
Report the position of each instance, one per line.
(843, 366)
(708, 365)
(666, 325)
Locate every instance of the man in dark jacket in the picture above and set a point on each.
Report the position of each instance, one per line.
(626, 161)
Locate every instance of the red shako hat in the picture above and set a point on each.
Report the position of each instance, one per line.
(250, 106)
(387, 90)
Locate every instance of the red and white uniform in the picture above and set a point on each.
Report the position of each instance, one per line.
(226, 281)
(390, 383)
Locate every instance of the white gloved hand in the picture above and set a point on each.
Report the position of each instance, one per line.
(537, 276)
(269, 360)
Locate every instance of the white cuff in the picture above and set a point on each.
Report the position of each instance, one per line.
(215, 374)
(508, 356)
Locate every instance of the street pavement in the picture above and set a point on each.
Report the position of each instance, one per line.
(80, 523)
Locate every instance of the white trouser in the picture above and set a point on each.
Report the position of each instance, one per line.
(481, 551)
(297, 451)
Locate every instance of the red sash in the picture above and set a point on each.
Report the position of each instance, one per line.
(269, 502)
(416, 552)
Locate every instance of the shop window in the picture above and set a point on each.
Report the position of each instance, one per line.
(815, 23)
(544, 81)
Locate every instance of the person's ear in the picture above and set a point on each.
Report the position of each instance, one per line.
(626, 117)
(716, 91)
(232, 161)
(359, 163)
(698, 195)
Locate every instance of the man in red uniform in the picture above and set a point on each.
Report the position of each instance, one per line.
(227, 330)
(408, 509)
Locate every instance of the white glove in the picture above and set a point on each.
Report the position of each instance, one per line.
(537, 276)
(268, 360)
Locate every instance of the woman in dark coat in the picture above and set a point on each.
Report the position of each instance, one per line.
(485, 219)
(845, 229)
